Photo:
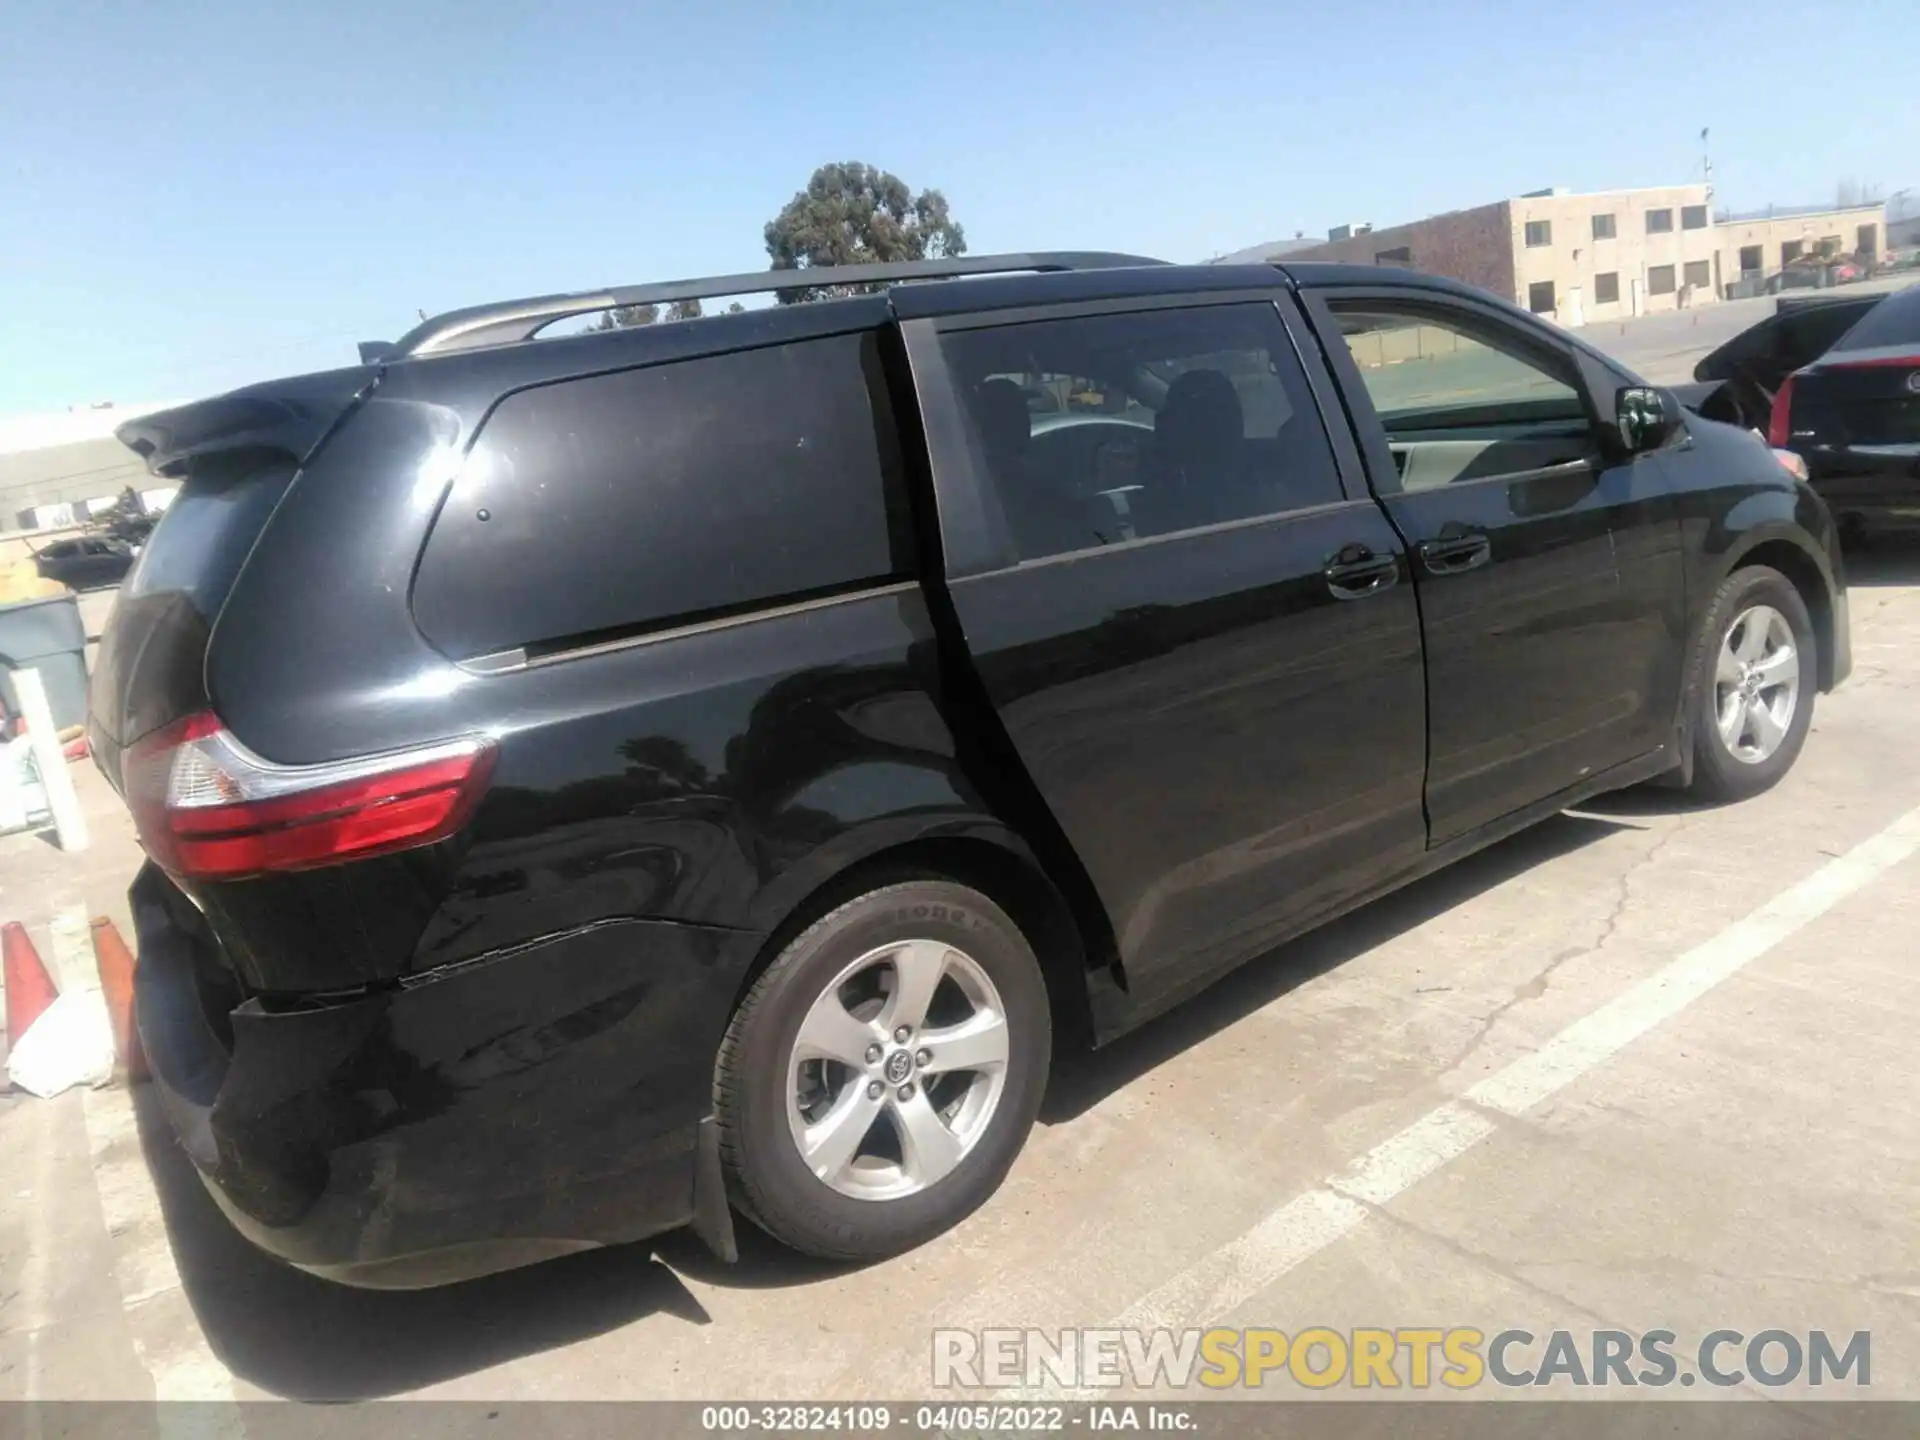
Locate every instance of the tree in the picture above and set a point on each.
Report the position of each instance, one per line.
(854, 214)
(623, 317)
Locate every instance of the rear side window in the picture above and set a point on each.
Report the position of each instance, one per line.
(209, 528)
(611, 505)
(1106, 428)
(1894, 321)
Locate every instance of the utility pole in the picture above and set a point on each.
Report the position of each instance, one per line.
(1706, 163)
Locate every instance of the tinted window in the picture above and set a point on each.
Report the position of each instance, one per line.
(1539, 232)
(610, 504)
(1693, 217)
(1463, 397)
(1894, 321)
(1603, 227)
(1660, 280)
(1698, 273)
(1659, 221)
(1418, 366)
(1116, 427)
(1606, 288)
(1540, 297)
(208, 530)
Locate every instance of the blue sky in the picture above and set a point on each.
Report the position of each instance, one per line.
(195, 193)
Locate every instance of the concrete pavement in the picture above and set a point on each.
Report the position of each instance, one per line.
(1750, 1161)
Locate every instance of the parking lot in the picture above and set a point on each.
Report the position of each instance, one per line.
(1645, 1067)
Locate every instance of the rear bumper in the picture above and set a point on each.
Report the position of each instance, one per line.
(522, 1106)
(1879, 489)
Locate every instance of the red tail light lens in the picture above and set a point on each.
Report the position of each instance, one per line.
(207, 808)
(1900, 360)
(1780, 418)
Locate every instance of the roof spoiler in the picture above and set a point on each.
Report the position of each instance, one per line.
(288, 416)
(507, 321)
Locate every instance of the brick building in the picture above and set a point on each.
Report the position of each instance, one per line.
(1607, 254)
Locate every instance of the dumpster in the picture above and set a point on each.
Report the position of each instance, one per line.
(46, 635)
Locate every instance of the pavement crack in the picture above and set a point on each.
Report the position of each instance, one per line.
(1537, 984)
(1461, 1251)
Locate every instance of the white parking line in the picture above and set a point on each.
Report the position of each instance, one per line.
(1303, 1227)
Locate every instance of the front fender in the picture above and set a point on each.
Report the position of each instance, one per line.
(1747, 510)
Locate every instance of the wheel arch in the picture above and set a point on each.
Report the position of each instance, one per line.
(1800, 563)
(984, 855)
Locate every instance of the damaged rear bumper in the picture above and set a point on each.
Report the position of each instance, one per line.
(547, 1100)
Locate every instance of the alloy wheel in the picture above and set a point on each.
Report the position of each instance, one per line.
(1756, 685)
(897, 1070)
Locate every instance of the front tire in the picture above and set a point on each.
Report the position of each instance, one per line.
(879, 1078)
(1755, 673)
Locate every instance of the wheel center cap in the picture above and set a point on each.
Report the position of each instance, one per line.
(898, 1067)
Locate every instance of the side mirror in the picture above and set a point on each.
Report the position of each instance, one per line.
(1646, 417)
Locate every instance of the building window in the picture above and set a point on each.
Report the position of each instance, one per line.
(1699, 274)
(1540, 297)
(1603, 227)
(1399, 255)
(1606, 288)
(1660, 280)
(1829, 246)
(1751, 259)
(1693, 217)
(1539, 232)
(1868, 237)
(1659, 222)
(1789, 251)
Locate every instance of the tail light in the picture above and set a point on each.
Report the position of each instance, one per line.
(1780, 418)
(207, 808)
(1901, 360)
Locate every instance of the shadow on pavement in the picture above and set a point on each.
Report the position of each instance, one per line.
(293, 1335)
(1885, 560)
(764, 1263)
(290, 1334)
(1081, 1081)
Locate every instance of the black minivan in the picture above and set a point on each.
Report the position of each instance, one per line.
(602, 783)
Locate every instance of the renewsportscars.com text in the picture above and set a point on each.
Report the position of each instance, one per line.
(1458, 1357)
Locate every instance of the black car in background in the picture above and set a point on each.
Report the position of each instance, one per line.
(1854, 416)
(86, 562)
(1836, 380)
(600, 784)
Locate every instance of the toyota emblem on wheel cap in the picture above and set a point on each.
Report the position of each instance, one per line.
(899, 1067)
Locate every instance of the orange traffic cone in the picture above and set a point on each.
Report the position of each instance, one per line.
(29, 988)
(116, 986)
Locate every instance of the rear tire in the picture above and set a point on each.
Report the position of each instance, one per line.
(1754, 674)
(844, 1140)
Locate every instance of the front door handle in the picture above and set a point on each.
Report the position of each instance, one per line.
(1455, 556)
(1356, 572)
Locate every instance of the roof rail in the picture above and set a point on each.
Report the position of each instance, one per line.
(506, 321)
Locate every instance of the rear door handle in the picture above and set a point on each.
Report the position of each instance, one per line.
(1454, 557)
(1356, 572)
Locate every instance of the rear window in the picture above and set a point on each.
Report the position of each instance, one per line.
(207, 531)
(618, 503)
(1894, 321)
